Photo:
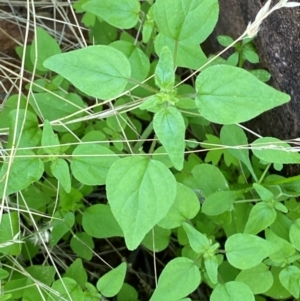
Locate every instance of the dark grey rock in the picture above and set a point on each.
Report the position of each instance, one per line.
(278, 46)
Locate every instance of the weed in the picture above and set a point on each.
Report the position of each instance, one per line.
(110, 159)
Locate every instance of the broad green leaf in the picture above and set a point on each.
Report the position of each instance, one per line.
(228, 95)
(165, 70)
(282, 225)
(233, 59)
(157, 239)
(198, 241)
(277, 291)
(91, 162)
(82, 245)
(185, 207)
(3, 273)
(127, 293)
(6, 297)
(180, 271)
(56, 106)
(9, 228)
(99, 71)
(67, 289)
(262, 215)
(96, 136)
(219, 202)
(216, 149)
(71, 200)
(50, 141)
(232, 291)
(225, 40)
(161, 155)
(117, 142)
(151, 103)
(290, 279)
(295, 234)
(273, 150)
(26, 169)
(45, 276)
(138, 60)
(16, 287)
(176, 19)
(261, 74)
(28, 64)
(169, 127)
(211, 266)
(11, 103)
(250, 54)
(102, 32)
(264, 193)
(185, 55)
(31, 133)
(91, 293)
(209, 179)
(110, 283)
(148, 26)
(233, 135)
(38, 52)
(281, 192)
(60, 226)
(77, 271)
(280, 207)
(240, 216)
(30, 195)
(283, 249)
(259, 278)
(60, 170)
(122, 14)
(290, 184)
(187, 103)
(245, 251)
(98, 222)
(140, 192)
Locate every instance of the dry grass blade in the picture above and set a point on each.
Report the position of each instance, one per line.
(18, 21)
(263, 13)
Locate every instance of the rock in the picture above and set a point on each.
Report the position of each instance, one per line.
(278, 46)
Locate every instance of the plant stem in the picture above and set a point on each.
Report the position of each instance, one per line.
(264, 173)
(151, 150)
(145, 86)
(144, 136)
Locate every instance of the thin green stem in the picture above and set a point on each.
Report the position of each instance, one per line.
(284, 181)
(242, 171)
(143, 85)
(246, 201)
(152, 147)
(147, 132)
(264, 173)
(175, 51)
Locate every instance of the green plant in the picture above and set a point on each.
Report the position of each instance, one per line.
(108, 145)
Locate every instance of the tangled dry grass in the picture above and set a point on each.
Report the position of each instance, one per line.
(18, 23)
